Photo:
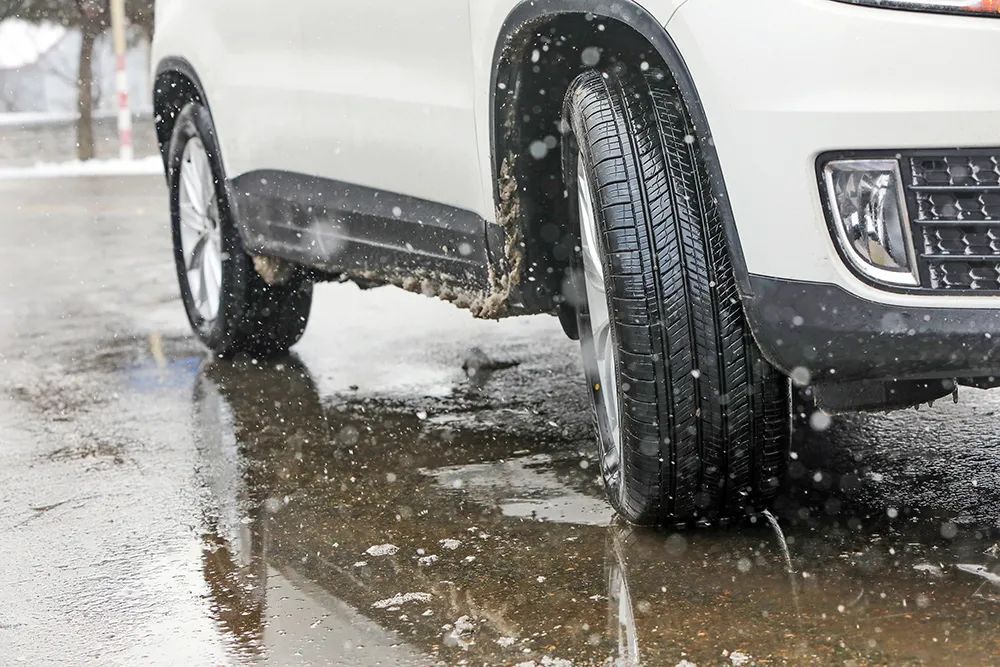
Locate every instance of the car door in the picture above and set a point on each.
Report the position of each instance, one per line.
(385, 93)
(241, 51)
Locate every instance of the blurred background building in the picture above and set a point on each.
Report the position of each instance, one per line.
(57, 60)
(39, 65)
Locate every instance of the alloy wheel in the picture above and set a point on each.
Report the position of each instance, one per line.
(600, 352)
(201, 233)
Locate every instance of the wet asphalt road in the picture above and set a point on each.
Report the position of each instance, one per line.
(160, 507)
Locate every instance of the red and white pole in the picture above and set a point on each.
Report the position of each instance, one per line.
(118, 25)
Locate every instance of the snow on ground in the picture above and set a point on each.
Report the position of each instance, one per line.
(402, 598)
(23, 119)
(26, 119)
(382, 550)
(145, 166)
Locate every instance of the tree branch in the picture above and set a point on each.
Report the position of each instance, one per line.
(12, 8)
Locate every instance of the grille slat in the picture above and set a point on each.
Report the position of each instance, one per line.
(954, 206)
(956, 169)
(955, 188)
(978, 276)
(958, 223)
(962, 258)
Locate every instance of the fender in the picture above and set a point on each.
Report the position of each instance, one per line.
(181, 66)
(519, 27)
(174, 65)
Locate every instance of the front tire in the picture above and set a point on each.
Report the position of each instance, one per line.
(693, 424)
(230, 307)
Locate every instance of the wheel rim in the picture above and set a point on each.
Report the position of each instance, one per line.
(201, 237)
(600, 353)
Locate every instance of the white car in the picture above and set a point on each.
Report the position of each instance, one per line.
(714, 196)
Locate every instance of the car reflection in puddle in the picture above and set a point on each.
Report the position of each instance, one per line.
(352, 531)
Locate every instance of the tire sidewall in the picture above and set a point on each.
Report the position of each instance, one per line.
(194, 121)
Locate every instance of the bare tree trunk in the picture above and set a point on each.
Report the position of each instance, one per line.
(85, 100)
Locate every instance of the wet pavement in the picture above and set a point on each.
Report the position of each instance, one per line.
(367, 502)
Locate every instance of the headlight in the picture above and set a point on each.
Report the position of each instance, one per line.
(869, 218)
(984, 7)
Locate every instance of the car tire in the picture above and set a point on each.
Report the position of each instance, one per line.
(230, 307)
(693, 424)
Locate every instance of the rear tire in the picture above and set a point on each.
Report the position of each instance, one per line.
(697, 423)
(229, 306)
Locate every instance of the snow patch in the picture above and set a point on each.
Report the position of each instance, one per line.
(148, 166)
(382, 550)
(450, 544)
(929, 568)
(459, 633)
(738, 658)
(980, 571)
(401, 599)
(28, 119)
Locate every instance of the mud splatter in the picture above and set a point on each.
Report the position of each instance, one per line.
(496, 303)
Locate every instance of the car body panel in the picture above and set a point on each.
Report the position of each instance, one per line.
(319, 89)
(782, 81)
(242, 66)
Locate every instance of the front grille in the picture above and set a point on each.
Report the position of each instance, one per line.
(954, 204)
(958, 275)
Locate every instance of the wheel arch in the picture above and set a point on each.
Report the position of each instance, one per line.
(176, 84)
(537, 55)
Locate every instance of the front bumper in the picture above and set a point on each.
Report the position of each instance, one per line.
(839, 337)
(784, 81)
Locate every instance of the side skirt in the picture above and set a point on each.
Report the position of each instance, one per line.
(363, 233)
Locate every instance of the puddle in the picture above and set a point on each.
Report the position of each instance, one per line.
(539, 568)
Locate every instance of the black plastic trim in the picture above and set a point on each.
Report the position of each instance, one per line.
(520, 22)
(181, 66)
(337, 226)
(841, 337)
(174, 65)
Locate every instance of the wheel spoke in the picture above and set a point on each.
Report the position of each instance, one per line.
(192, 219)
(594, 278)
(214, 265)
(612, 461)
(204, 173)
(196, 260)
(192, 189)
(600, 323)
(202, 287)
(213, 210)
(213, 283)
